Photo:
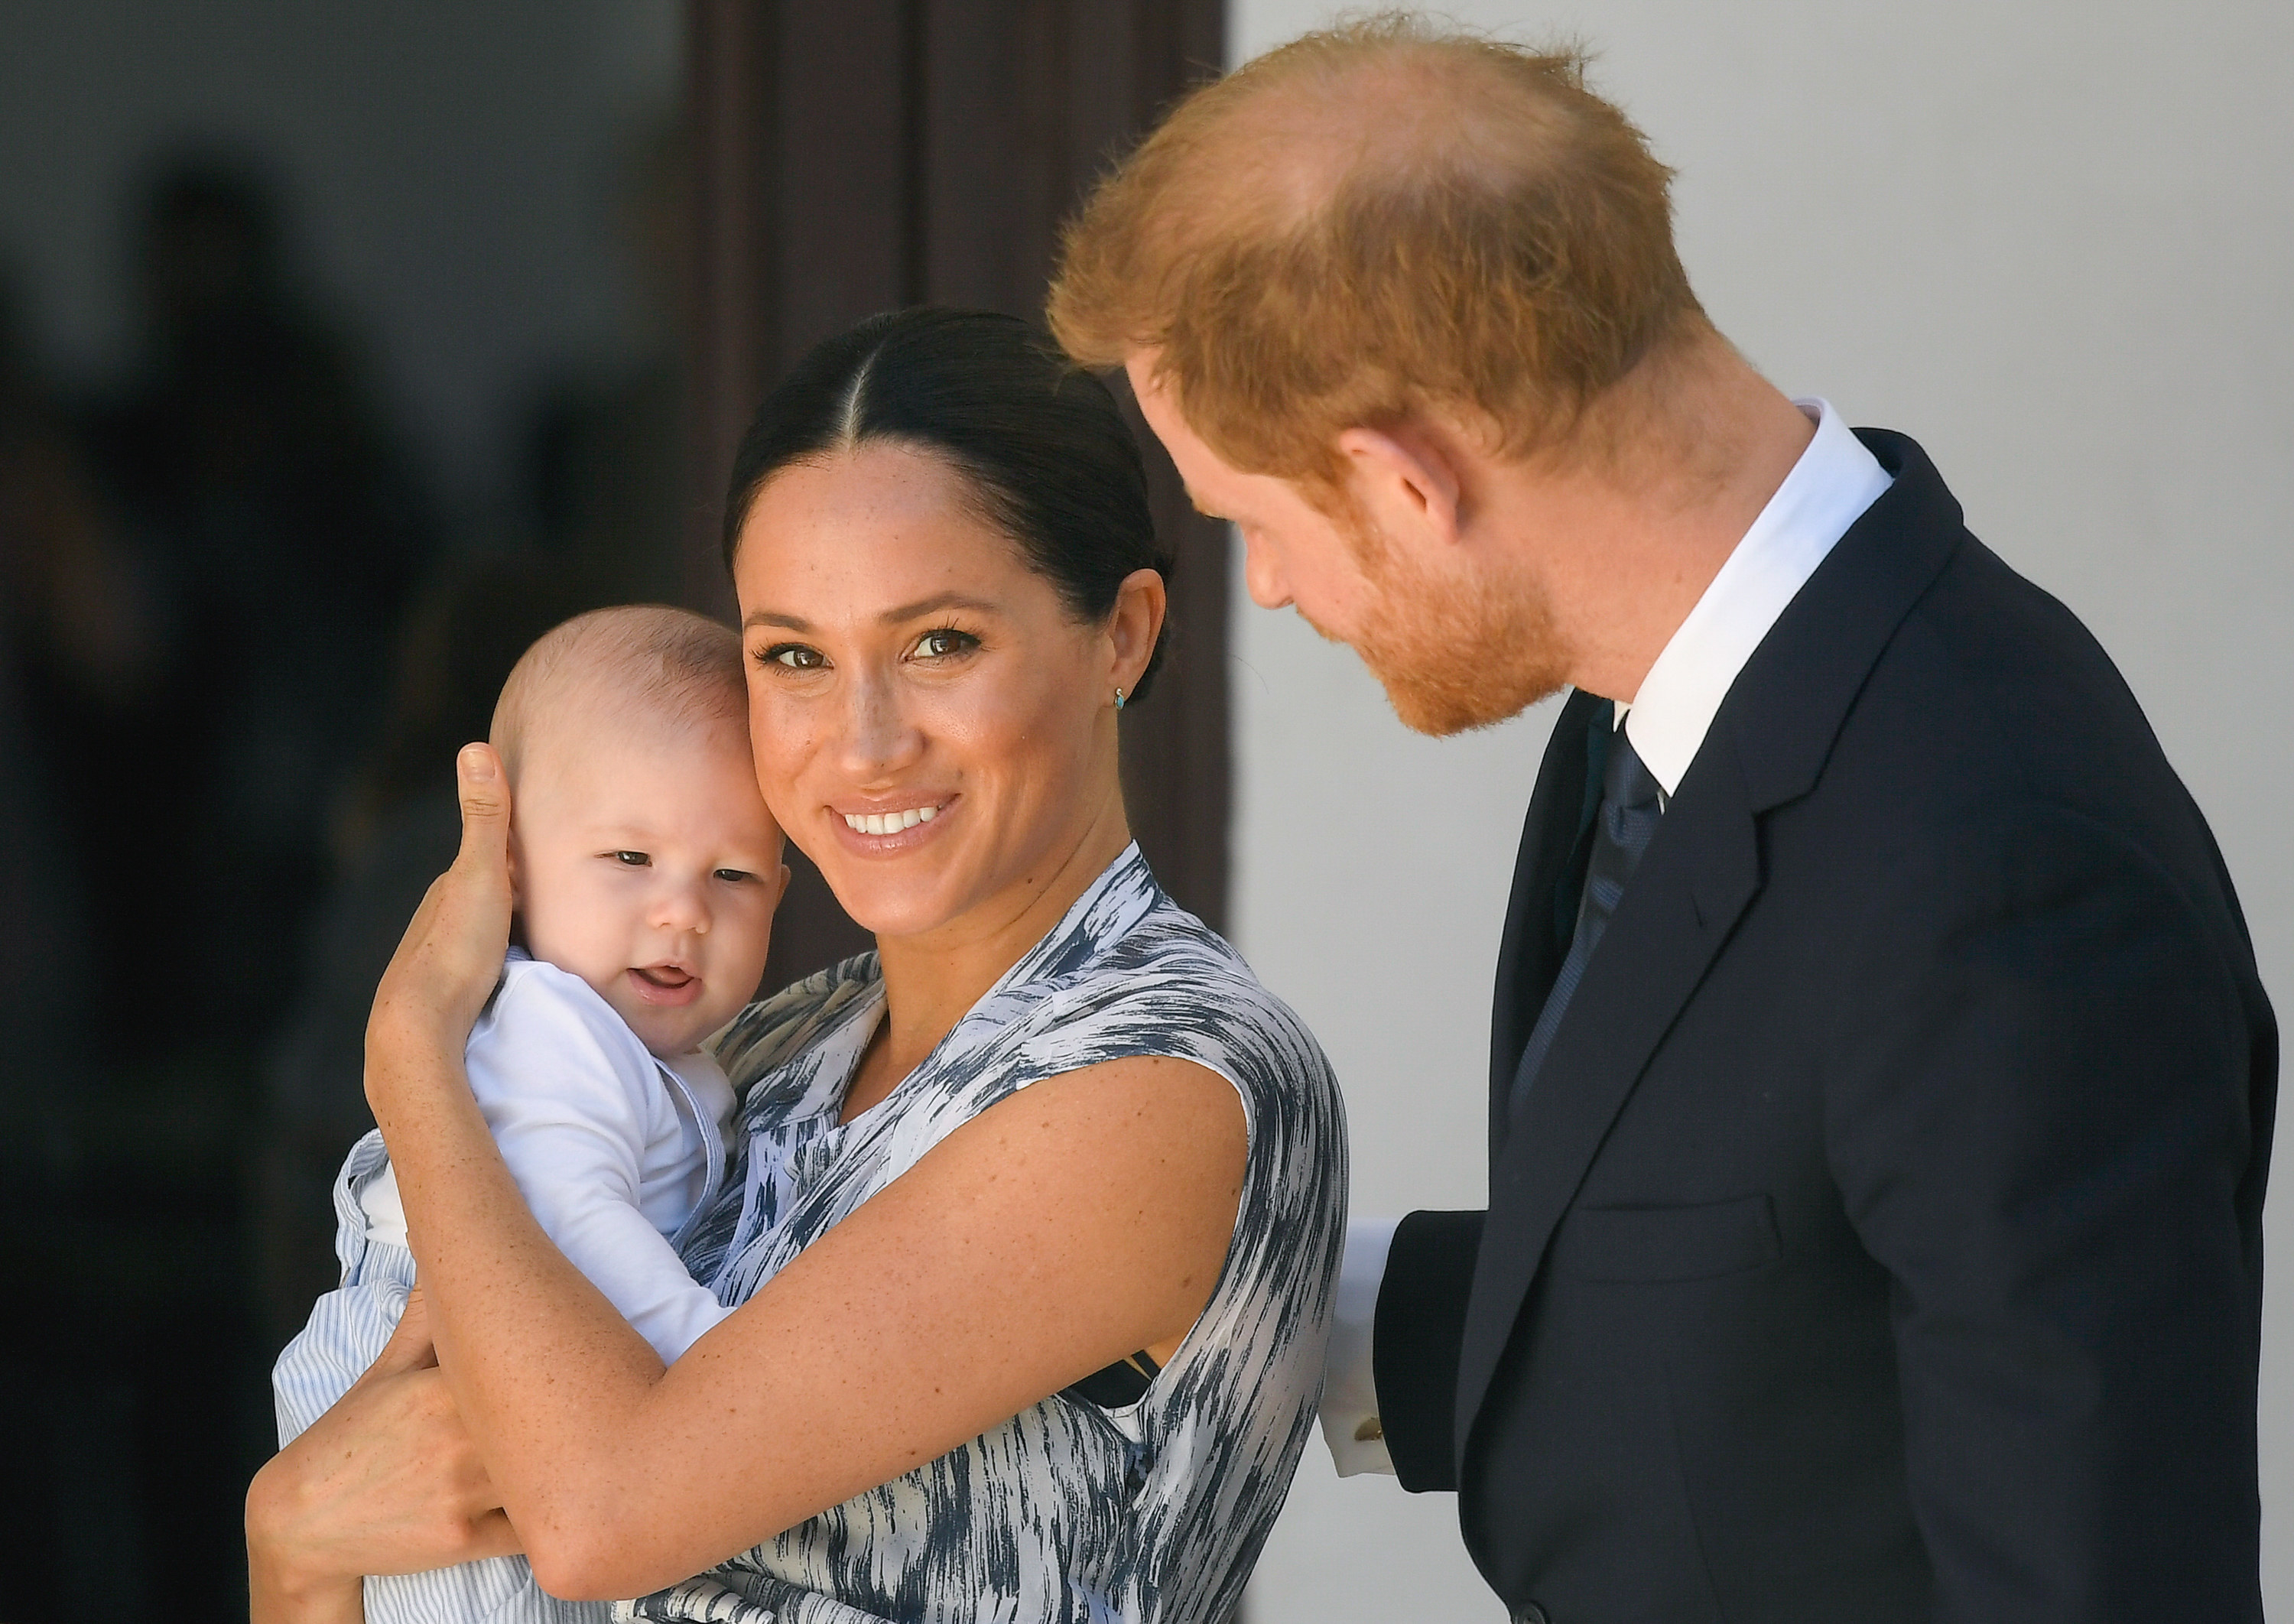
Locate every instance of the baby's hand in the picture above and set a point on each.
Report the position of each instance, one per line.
(447, 963)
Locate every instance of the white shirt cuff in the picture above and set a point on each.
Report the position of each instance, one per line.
(1350, 1419)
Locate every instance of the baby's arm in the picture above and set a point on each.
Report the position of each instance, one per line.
(571, 1098)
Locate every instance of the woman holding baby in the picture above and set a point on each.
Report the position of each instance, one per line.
(1032, 1217)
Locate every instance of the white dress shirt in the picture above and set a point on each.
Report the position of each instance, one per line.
(1828, 491)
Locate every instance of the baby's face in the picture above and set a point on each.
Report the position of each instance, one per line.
(649, 867)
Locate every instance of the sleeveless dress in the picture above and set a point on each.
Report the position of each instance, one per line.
(1151, 1514)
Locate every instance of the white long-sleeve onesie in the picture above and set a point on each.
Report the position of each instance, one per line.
(613, 1150)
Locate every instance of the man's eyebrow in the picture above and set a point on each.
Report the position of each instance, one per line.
(1197, 503)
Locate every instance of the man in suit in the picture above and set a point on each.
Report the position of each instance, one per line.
(1880, 1088)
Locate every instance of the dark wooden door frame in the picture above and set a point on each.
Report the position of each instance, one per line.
(853, 156)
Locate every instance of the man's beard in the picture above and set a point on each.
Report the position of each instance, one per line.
(1451, 658)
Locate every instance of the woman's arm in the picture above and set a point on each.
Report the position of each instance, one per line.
(1085, 1217)
(386, 1481)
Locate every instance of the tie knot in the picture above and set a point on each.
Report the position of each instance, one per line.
(1625, 781)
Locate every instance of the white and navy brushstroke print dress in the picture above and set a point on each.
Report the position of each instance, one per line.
(1151, 1514)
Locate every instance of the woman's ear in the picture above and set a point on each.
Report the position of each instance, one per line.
(1134, 624)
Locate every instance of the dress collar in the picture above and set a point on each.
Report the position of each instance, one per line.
(1124, 892)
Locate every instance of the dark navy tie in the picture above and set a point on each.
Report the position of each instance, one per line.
(1628, 817)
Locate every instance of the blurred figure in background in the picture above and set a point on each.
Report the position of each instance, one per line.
(605, 468)
(66, 619)
(237, 655)
(73, 632)
(249, 451)
(205, 577)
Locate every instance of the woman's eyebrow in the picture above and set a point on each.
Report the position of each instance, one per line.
(766, 617)
(934, 605)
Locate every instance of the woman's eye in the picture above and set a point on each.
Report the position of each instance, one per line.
(793, 657)
(943, 641)
(632, 859)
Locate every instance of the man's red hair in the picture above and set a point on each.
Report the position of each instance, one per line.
(1376, 222)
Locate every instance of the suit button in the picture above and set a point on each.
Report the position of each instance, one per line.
(1530, 1613)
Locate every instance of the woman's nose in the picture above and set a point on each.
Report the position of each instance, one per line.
(878, 738)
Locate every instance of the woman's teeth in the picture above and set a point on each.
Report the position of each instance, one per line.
(889, 822)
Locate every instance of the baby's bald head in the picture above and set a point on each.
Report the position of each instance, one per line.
(640, 667)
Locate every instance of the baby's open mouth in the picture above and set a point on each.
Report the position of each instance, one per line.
(671, 982)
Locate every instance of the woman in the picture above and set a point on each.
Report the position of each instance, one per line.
(1037, 1215)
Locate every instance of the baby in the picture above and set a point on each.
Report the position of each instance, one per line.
(646, 870)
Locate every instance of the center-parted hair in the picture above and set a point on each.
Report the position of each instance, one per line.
(1039, 444)
(641, 664)
(1376, 220)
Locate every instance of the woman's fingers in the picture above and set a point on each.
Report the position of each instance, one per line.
(386, 1481)
(493, 1536)
(484, 796)
(410, 1347)
(451, 955)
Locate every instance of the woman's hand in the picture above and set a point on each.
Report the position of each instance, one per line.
(386, 1481)
(448, 962)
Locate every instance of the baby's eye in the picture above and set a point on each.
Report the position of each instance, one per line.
(633, 859)
(942, 641)
(793, 657)
(734, 876)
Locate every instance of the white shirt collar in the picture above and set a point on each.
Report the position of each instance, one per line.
(1828, 489)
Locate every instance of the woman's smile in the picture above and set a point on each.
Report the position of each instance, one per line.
(889, 830)
(892, 821)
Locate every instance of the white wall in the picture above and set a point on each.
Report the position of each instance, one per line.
(2053, 241)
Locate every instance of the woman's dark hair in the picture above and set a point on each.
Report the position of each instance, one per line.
(1046, 454)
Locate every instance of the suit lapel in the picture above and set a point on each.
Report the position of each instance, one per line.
(1530, 953)
(1766, 747)
(1702, 868)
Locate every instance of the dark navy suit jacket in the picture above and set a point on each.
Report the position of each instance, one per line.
(1882, 1238)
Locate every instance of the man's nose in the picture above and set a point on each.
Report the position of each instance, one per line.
(1262, 575)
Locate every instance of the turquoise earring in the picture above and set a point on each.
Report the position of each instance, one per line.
(1119, 699)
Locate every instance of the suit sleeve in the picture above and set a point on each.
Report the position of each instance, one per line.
(2043, 1126)
(1419, 1328)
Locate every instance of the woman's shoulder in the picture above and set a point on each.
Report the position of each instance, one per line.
(1172, 985)
(772, 1030)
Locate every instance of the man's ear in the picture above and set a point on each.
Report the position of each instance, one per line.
(1408, 479)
